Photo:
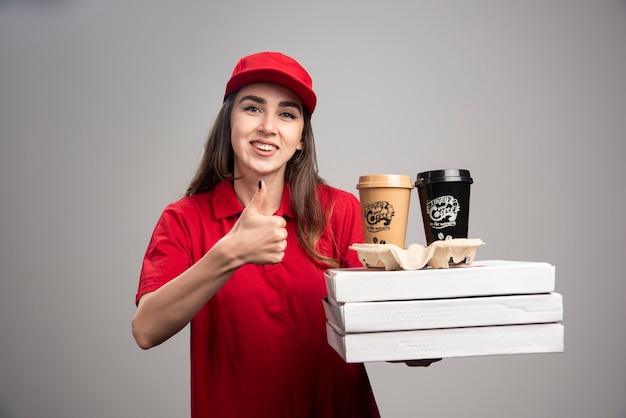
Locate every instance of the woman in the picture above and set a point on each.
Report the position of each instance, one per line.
(242, 257)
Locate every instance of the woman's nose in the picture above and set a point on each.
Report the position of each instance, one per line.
(268, 125)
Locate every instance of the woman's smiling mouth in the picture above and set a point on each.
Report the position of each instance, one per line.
(264, 146)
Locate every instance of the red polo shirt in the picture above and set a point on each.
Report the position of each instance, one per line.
(258, 347)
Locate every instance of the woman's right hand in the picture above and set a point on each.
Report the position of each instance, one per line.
(263, 237)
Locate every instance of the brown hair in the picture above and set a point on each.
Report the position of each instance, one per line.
(301, 176)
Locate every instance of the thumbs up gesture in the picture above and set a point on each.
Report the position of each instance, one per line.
(263, 237)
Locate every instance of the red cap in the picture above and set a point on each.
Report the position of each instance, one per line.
(273, 67)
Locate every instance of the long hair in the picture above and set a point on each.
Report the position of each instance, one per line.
(301, 176)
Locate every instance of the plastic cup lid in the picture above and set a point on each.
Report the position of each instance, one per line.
(385, 180)
(439, 176)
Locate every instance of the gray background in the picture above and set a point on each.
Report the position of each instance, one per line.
(104, 107)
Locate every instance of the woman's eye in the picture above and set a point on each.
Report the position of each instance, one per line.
(251, 108)
(288, 115)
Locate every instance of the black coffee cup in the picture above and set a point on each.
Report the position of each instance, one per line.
(444, 200)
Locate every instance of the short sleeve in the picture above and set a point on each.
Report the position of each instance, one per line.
(168, 253)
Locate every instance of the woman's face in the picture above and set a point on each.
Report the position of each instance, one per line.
(266, 130)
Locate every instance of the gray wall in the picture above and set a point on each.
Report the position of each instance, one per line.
(104, 107)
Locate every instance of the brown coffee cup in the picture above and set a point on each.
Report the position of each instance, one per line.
(385, 202)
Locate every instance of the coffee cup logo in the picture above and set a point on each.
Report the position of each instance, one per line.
(378, 215)
(443, 211)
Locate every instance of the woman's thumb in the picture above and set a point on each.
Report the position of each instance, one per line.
(256, 203)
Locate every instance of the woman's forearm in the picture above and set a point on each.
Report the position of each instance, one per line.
(163, 313)
(255, 238)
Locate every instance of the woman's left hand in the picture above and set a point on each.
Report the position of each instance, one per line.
(418, 363)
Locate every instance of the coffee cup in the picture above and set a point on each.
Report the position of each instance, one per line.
(385, 200)
(444, 201)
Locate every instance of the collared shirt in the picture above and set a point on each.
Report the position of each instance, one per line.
(258, 347)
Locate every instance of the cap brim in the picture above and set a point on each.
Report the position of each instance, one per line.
(244, 78)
